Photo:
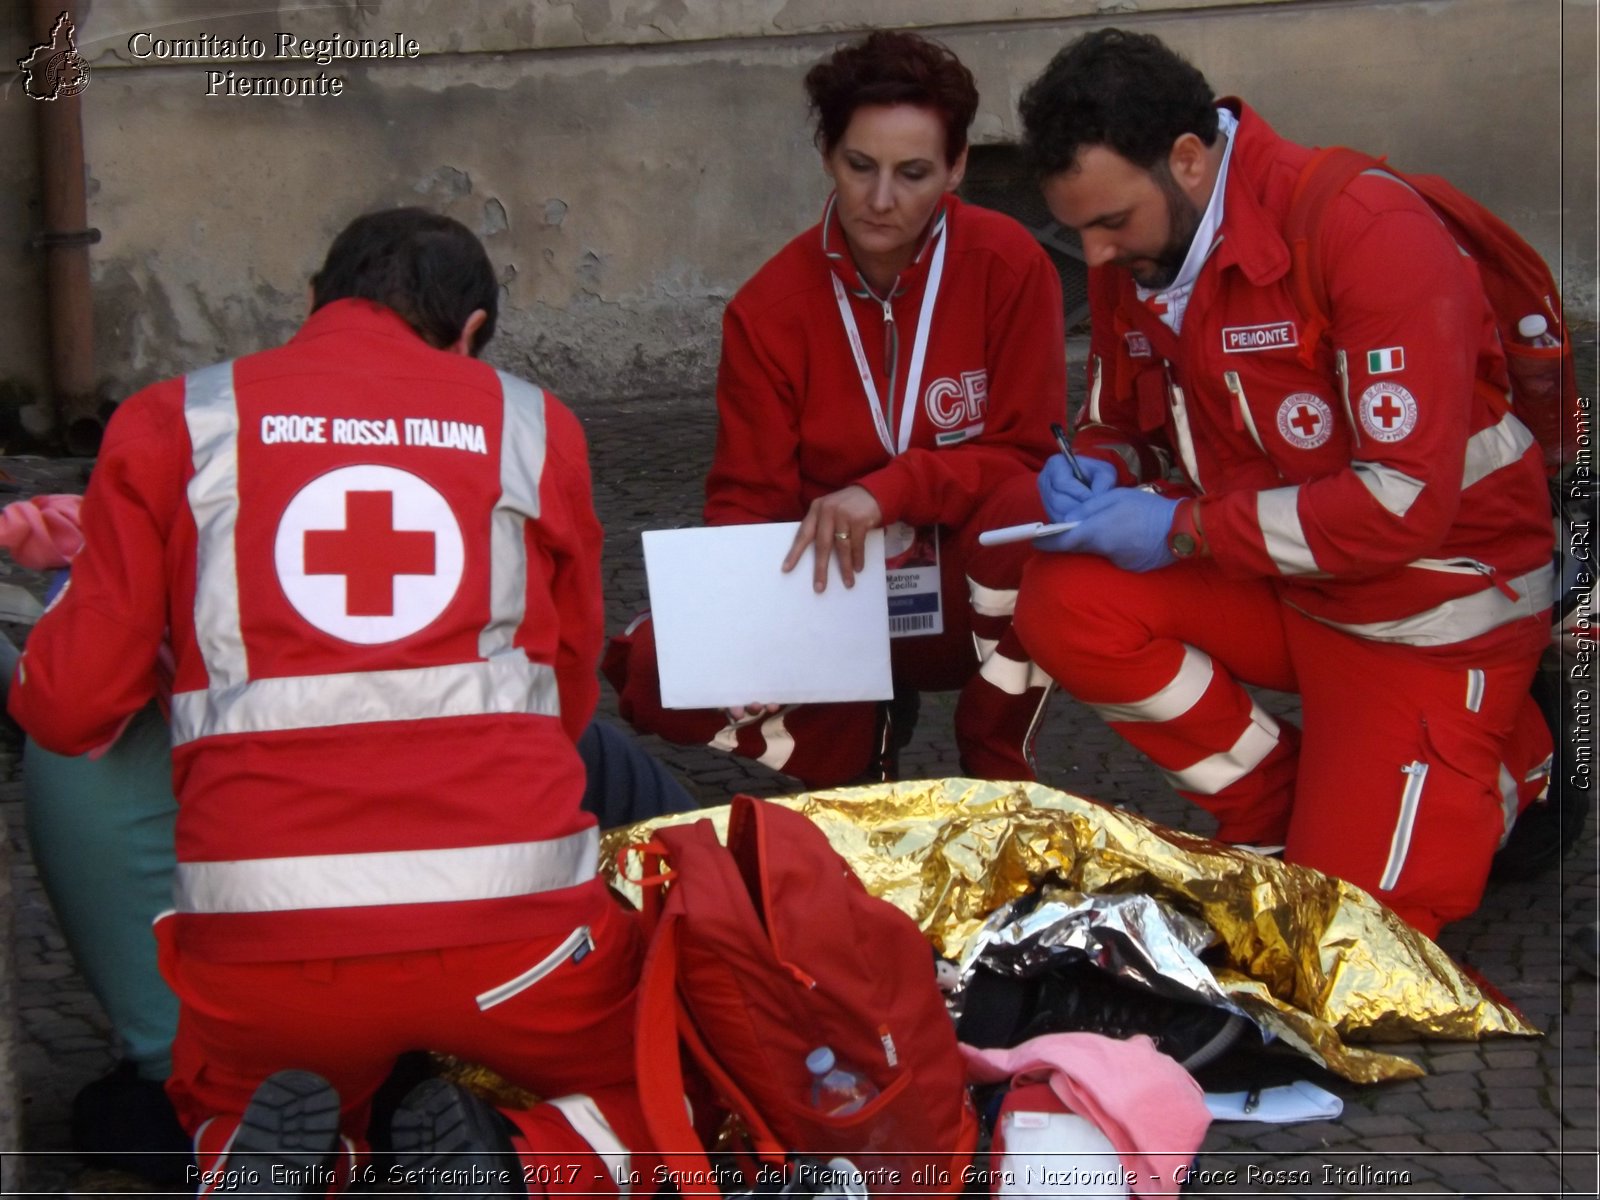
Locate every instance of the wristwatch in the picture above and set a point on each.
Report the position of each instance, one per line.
(1184, 539)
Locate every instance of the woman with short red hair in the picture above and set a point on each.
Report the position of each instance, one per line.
(896, 366)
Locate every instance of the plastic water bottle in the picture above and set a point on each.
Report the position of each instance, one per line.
(836, 1091)
(1534, 330)
(1537, 374)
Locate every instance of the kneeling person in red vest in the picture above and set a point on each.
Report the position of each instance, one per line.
(1361, 520)
(360, 542)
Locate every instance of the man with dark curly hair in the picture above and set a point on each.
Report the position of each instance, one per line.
(1360, 517)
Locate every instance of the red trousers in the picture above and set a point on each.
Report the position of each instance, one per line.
(1410, 766)
(547, 1016)
(1002, 693)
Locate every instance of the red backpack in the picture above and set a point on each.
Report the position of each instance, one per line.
(763, 950)
(1544, 386)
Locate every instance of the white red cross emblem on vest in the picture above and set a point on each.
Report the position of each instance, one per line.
(1388, 412)
(1305, 420)
(369, 554)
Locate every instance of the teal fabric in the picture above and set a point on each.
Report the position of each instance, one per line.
(101, 833)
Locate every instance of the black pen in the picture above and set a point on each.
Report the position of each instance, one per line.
(1066, 449)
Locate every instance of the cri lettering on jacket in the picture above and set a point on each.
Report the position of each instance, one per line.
(956, 407)
(352, 431)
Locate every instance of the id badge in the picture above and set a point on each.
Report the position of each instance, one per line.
(911, 561)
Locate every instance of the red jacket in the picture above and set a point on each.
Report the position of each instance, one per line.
(1377, 476)
(794, 419)
(380, 578)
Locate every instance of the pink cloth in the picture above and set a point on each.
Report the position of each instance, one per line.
(45, 532)
(1149, 1107)
(42, 532)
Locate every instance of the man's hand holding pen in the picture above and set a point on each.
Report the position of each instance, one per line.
(1064, 493)
(1128, 526)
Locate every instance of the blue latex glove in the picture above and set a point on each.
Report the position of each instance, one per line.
(1127, 525)
(1061, 492)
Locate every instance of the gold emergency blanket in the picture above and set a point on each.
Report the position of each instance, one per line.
(1317, 962)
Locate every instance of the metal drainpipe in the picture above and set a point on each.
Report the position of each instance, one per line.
(66, 240)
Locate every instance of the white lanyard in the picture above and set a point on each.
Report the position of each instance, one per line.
(919, 348)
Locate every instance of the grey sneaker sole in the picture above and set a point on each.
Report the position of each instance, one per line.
(288, 1136)
(447, 1142)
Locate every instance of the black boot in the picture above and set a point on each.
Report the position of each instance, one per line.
(448, 1142)
(288, 1137)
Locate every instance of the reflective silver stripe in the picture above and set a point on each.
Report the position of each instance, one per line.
(1393, 489)
(1180, 419)
(1474, 689)
(214, 1179)
(1210, 775)
(570, 945)
(586, 1119)
(1400, 840)
(473, 689)
(233, 703)
(211, 413)
(1173, 700)
(780, 742)
(522, 455)
(1033, 727)
(1231, 378)
(1509, 796)
(386, 877)
(1095, 371)
(1126, 453)
(1463, 618)
(991, 602)
(1011, 676)
(1498, 446)
(1278, 514)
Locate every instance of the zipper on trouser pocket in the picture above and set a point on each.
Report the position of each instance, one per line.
(1467, 566)
(575, 947)
(1400, 841)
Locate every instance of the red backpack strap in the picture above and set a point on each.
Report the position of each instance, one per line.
(662, 1030)
(654, 873)
(660, 1067)
(1328, 173)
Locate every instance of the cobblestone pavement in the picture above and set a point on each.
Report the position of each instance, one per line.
(1508, 1117)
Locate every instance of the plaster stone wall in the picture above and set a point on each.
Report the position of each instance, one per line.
(630, 162)
(22, 331)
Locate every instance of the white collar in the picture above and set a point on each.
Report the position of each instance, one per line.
(1205, 237)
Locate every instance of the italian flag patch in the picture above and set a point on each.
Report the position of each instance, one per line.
(1382, 362)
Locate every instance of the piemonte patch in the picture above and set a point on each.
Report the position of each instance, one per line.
(1245, 339)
